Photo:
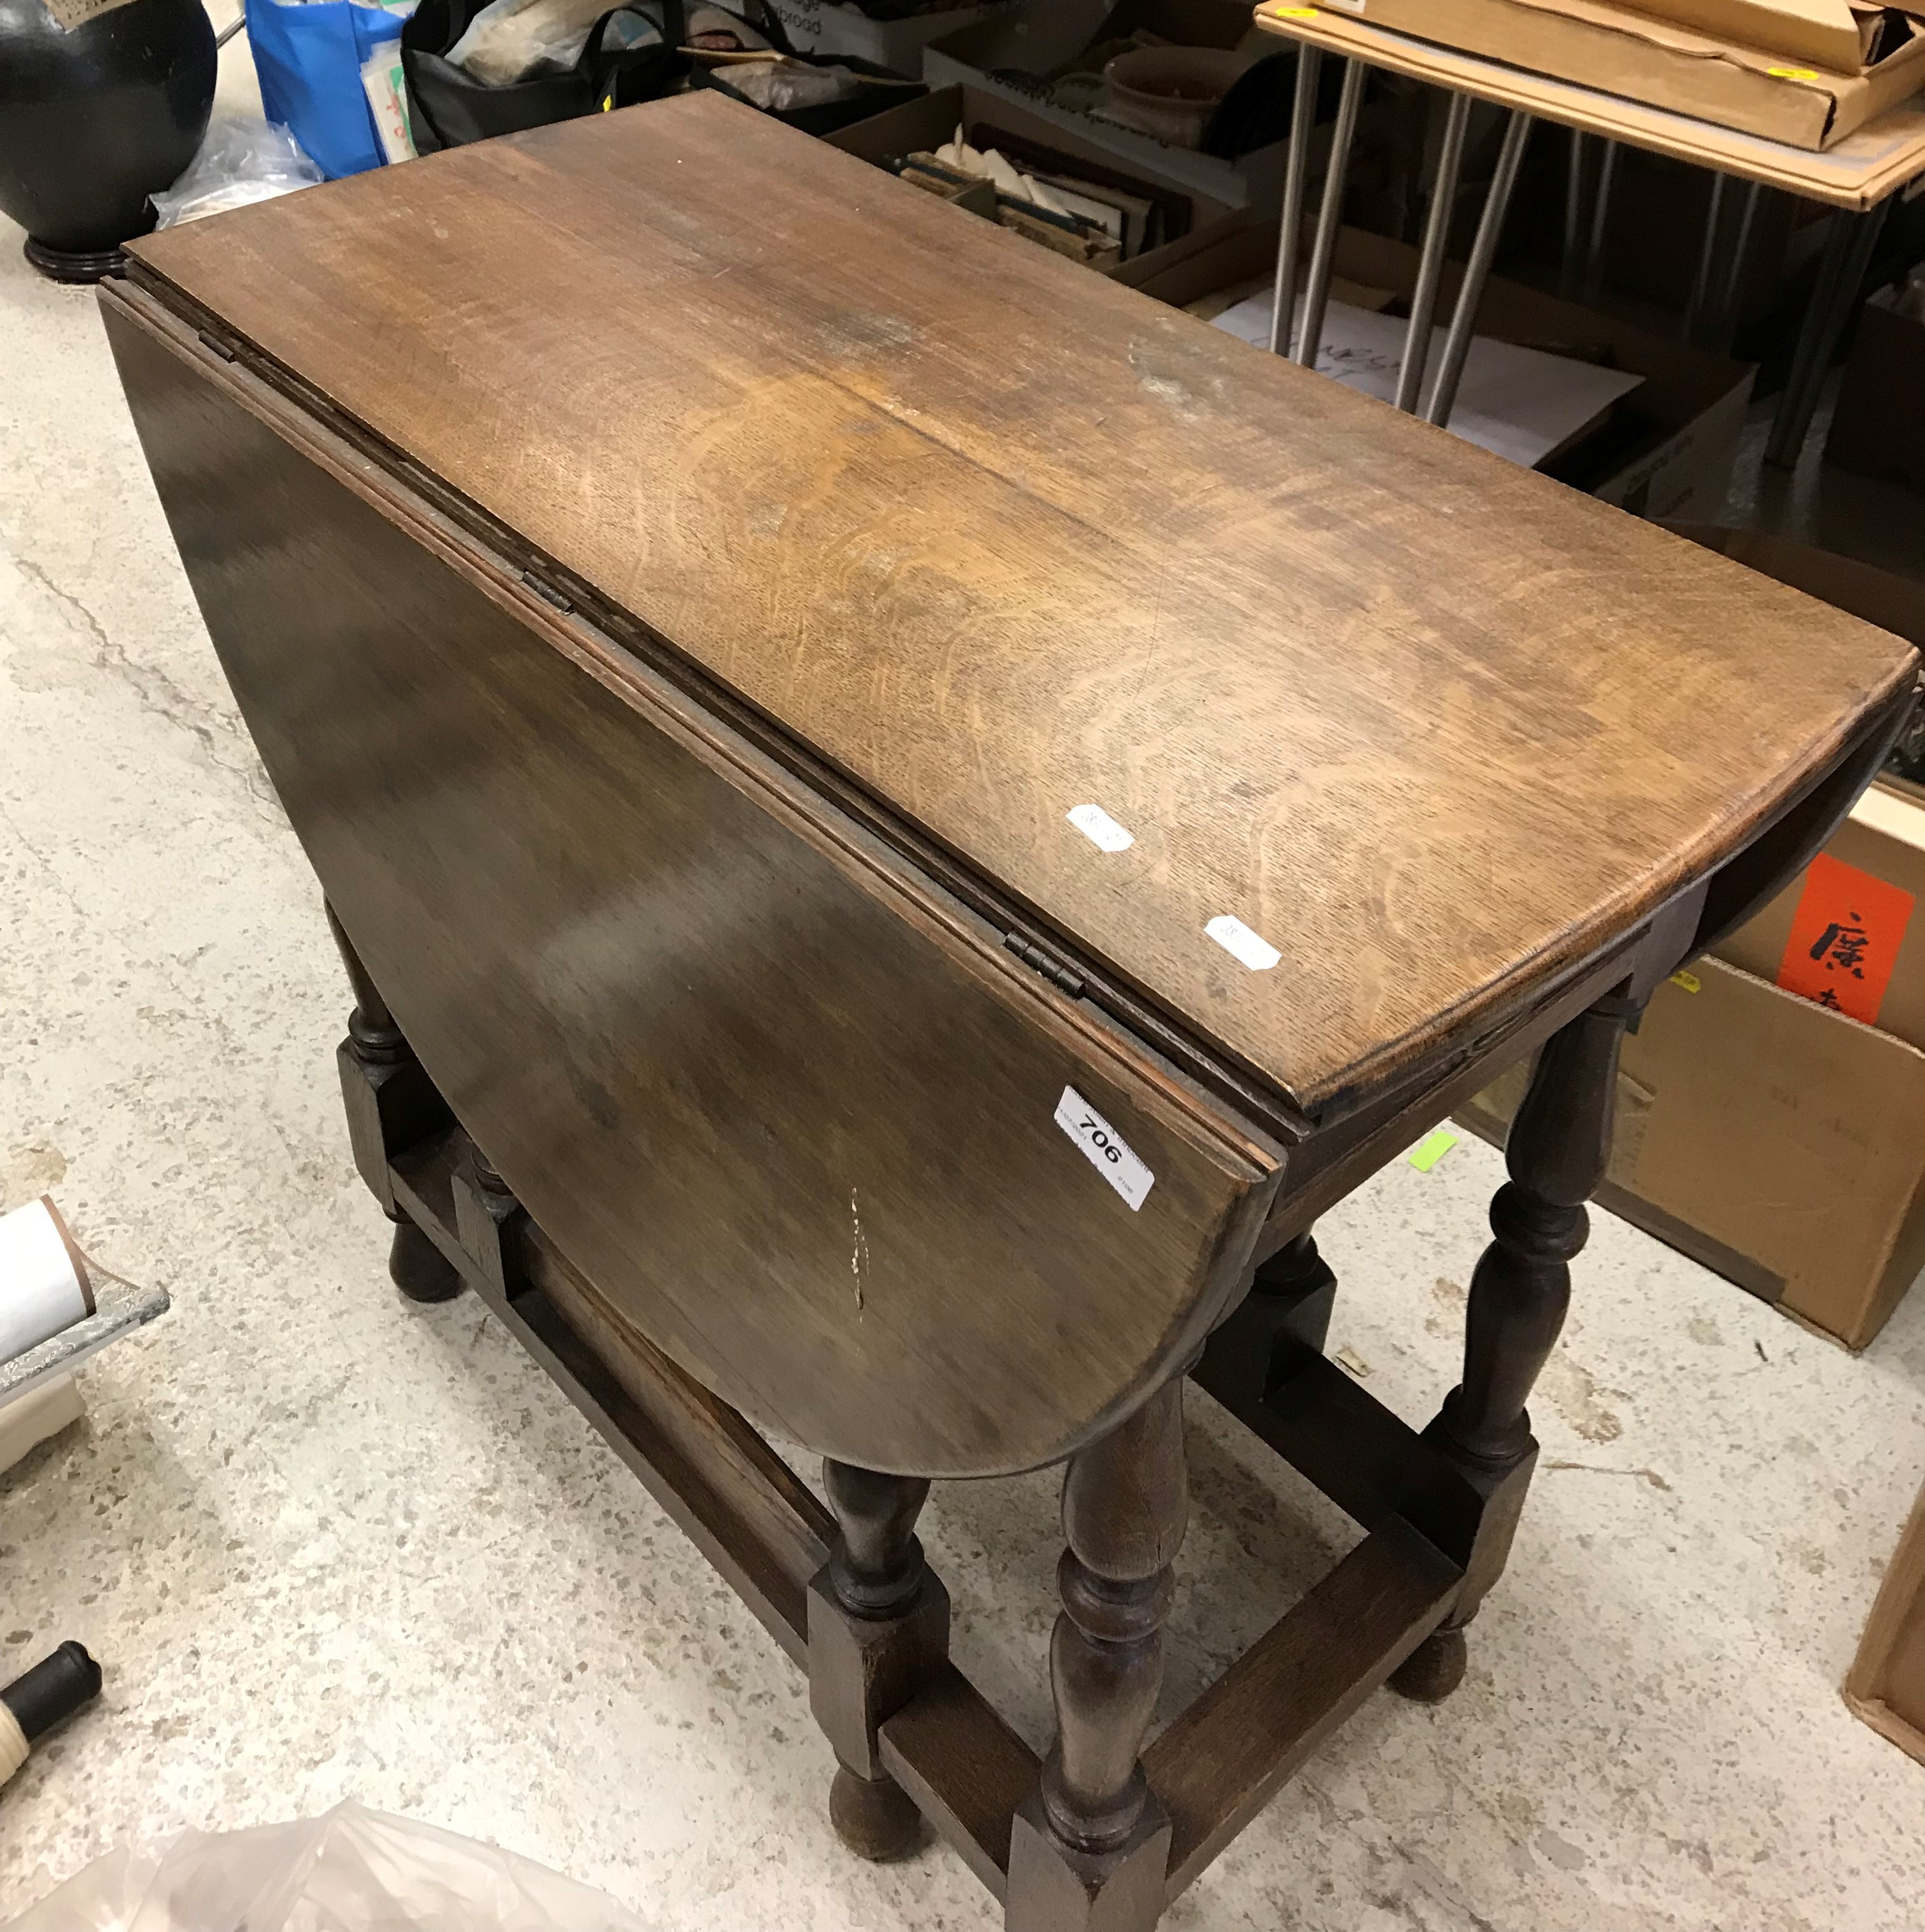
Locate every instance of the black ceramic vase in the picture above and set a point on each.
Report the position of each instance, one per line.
(94, 118)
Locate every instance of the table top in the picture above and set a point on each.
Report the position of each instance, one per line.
(1001, 539)
(1860, 172)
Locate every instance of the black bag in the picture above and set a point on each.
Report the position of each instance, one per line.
(447, 107)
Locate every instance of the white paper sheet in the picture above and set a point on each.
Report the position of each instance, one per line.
(1517, 403)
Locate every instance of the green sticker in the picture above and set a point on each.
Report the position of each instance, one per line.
(1431, 1149)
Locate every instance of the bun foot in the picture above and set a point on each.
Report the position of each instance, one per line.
(874, 1817)
(1434, 1669)
(419, 1269)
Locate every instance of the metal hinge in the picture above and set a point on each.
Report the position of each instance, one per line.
(1053, 971)
(547, 592)
(225, 350)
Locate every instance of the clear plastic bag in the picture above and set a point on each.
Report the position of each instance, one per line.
(514, 40)
(240, 161)
(781, 87)
(349, 1870)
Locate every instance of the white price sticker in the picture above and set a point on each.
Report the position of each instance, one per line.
(1100, 828)
(1240, 942)
(1105, 1150)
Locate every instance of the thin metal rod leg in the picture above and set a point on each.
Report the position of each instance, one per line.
(1568, 268)
(1437, 242)
(1747, 221)
(1302, 123)
(1601, 209)
(1824, 296)
(1330, 216)
(1477, 271)
(1848, 254)
(1707, 251)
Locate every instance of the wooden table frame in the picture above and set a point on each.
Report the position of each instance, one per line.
(628, 850)
(1103, 1833)
(1864, 191)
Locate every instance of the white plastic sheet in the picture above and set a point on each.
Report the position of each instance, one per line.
(349, 1870)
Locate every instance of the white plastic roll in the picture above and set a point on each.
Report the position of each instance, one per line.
(43, 1284)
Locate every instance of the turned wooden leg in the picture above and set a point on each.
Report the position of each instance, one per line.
(1090, 1850)
(878, 1628)
(1556, 1152)
(418, 1267)
(391, 1104)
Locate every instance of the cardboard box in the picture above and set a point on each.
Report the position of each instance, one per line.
(1878, 426)
(1886, 1686)
(825, 27)
(1675, 458)
(1036, 37)
(922, 124)
(1846, 36)
(1609, 48)
(1863, 891)
(1779, 1144)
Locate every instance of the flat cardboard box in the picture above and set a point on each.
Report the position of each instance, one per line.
(1846, 36)
(926, 123)
(1690, 407)
(1862, 170)
(1619, 52)
(1886, 1685)
(1878, 428)
(1779, 1144)
(826, 27)
(1038, 36)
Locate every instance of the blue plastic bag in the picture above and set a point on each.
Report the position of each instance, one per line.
(308, 56)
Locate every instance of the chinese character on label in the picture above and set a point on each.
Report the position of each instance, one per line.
(1845, 938)
(1842, 948)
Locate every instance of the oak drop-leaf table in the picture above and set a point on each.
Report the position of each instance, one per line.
(903, 820)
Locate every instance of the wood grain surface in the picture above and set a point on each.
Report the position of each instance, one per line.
(999, 539)
(789, 1111)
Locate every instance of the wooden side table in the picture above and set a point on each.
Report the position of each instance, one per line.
(1861, 176)
(902, 820)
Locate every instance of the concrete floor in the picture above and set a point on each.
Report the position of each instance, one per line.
(328, 1545)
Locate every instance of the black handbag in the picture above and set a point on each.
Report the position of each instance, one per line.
(447, 107)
